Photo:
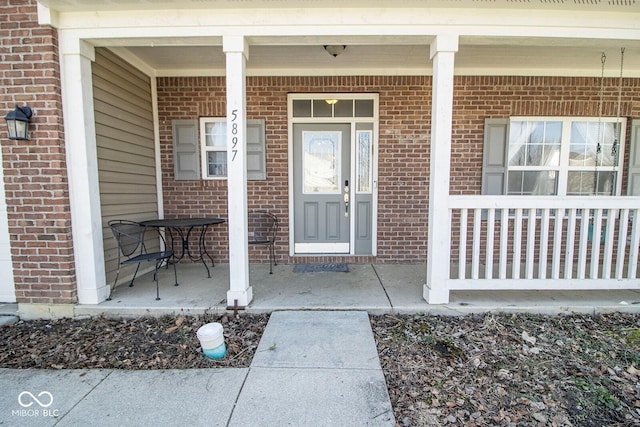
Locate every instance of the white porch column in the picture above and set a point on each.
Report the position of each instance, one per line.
(237, 52)
(82, 166)
(443, 50)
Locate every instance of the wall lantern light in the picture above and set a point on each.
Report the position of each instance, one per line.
(334, 49)
(18, 122)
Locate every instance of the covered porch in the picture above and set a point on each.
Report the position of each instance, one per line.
(376, 288)
(427, 134)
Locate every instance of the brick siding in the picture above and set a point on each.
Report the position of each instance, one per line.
(35, 171)
(403, 174)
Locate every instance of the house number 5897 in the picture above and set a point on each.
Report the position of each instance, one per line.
(234, 132)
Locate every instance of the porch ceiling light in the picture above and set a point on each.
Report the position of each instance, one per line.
(18, 122)
(335, 49)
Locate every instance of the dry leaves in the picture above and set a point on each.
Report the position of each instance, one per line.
(477, 370)
(511, 370)
(142, 343)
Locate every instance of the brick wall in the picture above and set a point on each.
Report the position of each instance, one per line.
(525, 96)
(35, 171)
(477, 98)
(405, 110)
(405, 105)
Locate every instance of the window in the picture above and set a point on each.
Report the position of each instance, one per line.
(363, 161)
(342, 107)
(553, 156)
(210, 144)
(213, 134)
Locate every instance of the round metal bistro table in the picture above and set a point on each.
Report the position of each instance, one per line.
(183, 228)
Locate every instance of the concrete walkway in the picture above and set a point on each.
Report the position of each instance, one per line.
(311, 368)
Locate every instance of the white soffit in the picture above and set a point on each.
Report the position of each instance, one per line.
(471, 59)
(112, 5)
(496, 37)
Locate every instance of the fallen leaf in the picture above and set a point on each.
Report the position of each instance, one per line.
(528, 338)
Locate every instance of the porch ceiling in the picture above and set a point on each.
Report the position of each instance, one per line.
(287, 36)
(506, 56)
(110, 5)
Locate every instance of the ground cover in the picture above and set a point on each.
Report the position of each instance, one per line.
(474, 370)
(512, 370)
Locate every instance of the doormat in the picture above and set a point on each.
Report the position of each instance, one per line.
(341, 267)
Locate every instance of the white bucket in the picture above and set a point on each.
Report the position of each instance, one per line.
(212, 340)
(210, 336)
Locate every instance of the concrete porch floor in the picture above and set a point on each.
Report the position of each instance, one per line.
(376, 288)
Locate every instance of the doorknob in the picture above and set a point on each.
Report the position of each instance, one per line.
(345, 197)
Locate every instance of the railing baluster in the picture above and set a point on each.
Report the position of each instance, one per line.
(462, 258)
(504, 239)
(556, 251)
(491, 224)
(517, 244)
(571, 241)
(531, 243)
(596, 235)
(635, 241)
(583, 243)
(622, 243)
(475, 262)
(608, 243)
(593, 242)
(544, 244)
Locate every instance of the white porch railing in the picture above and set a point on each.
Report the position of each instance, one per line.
(544, 243)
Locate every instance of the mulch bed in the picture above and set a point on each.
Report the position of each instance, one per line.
(512, 370)
(168, 342)
(474, 370)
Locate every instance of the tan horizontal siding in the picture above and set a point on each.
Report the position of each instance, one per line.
(134, 212)
(122, 188)
(126, 149)
(118, 108)
(119, 131)
(139, 156)
(114, 177)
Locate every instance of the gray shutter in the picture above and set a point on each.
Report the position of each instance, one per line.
(494, 157)
(633, 186)
(185, 150)
(256, 148)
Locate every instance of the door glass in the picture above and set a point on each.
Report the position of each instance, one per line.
(321, 108)
(321, 162)
(364, 107)
(301, 108)
(343, 108)
(363, 161)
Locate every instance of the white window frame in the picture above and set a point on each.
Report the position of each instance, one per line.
(564, 168)
(205, 149)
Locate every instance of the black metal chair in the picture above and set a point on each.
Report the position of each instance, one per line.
(263, 227)
(131, 245)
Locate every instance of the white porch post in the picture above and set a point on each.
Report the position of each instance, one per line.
(82, 164)
(237, 52)
(443, 50)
